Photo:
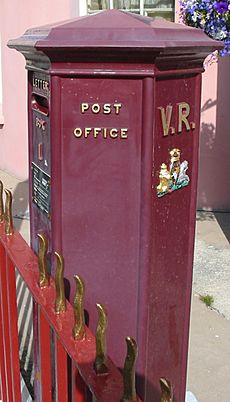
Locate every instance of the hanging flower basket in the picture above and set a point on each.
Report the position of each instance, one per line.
(212, 16)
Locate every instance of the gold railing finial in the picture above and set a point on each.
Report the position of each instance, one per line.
(129, 394)
(42, 261)
(9, 229)
(100, 364)
(1, 203)
(166, 390)
(60, 303)
(79, 317)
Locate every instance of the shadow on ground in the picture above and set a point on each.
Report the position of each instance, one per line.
(21, 203)
(223, 218)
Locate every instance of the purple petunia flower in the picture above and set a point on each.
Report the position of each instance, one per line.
(221, 7)
(211, 16)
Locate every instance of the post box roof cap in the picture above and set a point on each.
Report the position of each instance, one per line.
(115, 29)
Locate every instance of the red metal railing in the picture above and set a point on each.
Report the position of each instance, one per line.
(55, 336)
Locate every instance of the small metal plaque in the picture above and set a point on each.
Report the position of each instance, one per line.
(41, 189)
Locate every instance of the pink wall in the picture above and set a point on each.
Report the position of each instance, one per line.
(15, 17)
(214, 171)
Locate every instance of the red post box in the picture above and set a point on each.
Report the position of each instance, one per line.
(114, 111)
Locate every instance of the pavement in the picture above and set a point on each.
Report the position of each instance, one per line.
(208, 377)
(209, 351)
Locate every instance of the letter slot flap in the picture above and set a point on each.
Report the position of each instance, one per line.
(40, 104)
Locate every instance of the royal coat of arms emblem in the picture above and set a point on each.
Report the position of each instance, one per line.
(173, 177)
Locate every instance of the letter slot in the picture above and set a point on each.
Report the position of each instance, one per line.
(40, 104)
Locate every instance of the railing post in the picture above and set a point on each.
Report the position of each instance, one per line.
(45, 358)
(2, 346)
(78, 386)
(13, 330)
(61, 372)
(6, 329)
(36, 354)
